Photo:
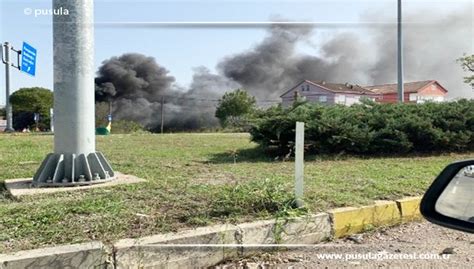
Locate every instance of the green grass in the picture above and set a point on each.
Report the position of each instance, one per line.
(193, 180)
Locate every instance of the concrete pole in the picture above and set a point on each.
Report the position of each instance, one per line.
(74, 161)
(401, 91)
(8, 106)
(73, 41)
(299, 163)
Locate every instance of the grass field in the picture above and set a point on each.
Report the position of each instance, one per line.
(193, 180)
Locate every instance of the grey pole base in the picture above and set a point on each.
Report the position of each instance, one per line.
(62, 170)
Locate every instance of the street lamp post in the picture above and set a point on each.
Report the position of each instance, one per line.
(401, 91)
(8, 107)
(75, 160)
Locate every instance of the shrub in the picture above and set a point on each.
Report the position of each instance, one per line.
(233, 106)
(370, 128)
(126, 127)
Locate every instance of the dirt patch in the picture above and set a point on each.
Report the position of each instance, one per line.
(419, 245)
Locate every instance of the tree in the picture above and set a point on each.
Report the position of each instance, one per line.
(233, 105)
(467, 64)
(28, 101)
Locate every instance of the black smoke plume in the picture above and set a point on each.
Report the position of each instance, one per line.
(138, 86)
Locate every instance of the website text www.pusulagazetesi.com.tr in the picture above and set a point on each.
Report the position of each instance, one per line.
(380, 256)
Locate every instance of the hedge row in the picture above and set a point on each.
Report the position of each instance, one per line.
(370, 128)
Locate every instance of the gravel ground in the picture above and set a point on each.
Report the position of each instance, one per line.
(434, 247)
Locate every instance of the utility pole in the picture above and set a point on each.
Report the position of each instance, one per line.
(75, 160)
(162, 113)
(8, 108)
(401, 91)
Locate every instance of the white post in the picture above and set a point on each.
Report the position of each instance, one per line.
(299, 163)
(51, 120)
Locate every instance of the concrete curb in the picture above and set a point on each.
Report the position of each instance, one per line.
(207, 246)
(86, 255)
(409, 208)
(350, 220)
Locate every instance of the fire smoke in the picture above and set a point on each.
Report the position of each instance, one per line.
(136, 83)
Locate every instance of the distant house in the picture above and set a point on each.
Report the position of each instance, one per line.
(326, 93)
(415, 92)
(3, 125)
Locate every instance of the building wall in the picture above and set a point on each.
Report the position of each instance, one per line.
(310, 92)
(316, 94)
(349, 99)
(432, 92)
(391, 98)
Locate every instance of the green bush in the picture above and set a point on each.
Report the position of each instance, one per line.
(126, 127)
(370, 128)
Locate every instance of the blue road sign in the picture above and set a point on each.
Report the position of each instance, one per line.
(28, 59)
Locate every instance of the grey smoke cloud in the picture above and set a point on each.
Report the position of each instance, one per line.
(431, 49)
(431, 46)
(137, 83)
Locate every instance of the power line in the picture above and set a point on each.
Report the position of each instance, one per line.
(209, 100)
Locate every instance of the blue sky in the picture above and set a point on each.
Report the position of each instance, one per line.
(181, 49)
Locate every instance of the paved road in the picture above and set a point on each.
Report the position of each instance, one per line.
(457, 200)
(414, 245)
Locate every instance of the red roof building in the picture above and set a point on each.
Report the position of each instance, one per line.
(348, 94)
(415, 92)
